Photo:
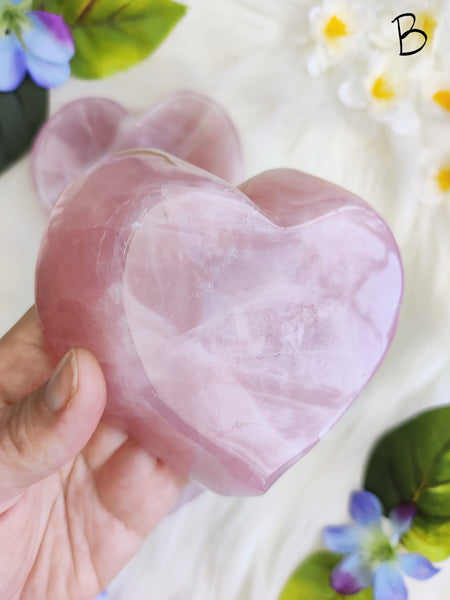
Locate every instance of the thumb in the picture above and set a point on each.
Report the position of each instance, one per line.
(50, 427)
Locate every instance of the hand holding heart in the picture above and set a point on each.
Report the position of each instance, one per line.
(233, 327)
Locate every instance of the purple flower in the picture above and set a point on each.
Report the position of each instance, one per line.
(373, 556)
(102, 596)
(33, 41)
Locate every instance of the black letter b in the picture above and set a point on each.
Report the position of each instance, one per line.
(402, 36)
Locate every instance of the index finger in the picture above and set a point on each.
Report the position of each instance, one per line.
(24, 363)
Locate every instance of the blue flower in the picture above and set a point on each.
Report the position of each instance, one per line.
(33, 41)
(373, 556)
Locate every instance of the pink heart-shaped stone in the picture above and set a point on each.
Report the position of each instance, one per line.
(186, 124)
(234, 326)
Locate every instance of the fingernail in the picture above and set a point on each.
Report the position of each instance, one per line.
(63, 383)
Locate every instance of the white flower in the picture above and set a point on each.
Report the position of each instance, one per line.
(435, 170)
(435, 94)
(392, 87)
(383, 88)
(338, 30)
(435, 88)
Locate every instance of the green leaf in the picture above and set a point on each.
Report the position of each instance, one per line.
(22, 113)
(311, 580)
(111, 35)
(412, 463)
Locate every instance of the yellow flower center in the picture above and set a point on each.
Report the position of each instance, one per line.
(426, 22)
(443, 179)
(335, 28)
(382, 89)
(443, 99)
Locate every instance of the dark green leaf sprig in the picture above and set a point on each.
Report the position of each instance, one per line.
(412, 464)
(22, 113)
(409, 472)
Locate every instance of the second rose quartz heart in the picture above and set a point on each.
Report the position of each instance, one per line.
(81, 133)
(234, 326)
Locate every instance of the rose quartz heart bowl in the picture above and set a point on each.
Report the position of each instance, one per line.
(234, 325)
(185, 124)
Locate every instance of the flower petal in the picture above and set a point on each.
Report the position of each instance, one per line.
(102, 596)
(402, 517)
(403, 120)
(417, 566)
(49, 38)
(365, 508)
(388, 583)
(342, 539)
(12, 63)
(351, 575)
(47, 74)
(352, 93)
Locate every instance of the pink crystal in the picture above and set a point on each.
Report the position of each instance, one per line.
(185, 124)
(234, 326)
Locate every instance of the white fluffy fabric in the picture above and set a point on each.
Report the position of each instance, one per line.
(252, 57)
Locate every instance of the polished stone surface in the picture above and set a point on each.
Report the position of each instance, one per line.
(234, 326)
(185, 124)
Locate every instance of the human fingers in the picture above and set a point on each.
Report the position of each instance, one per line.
(133, 492)
(51, 425)
(137, 488)
(24, 363)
